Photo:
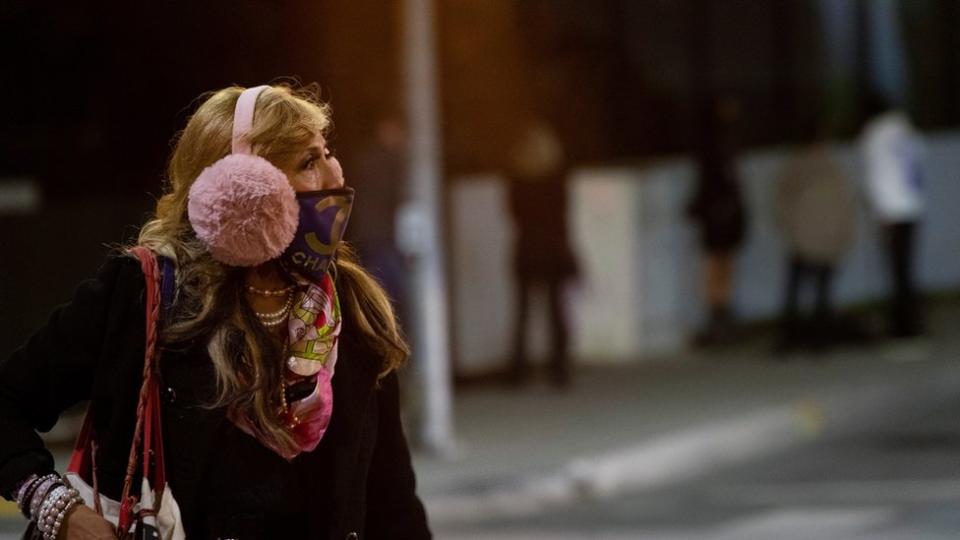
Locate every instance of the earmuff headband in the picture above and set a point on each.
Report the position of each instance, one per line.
(243, 119)
(243, 207)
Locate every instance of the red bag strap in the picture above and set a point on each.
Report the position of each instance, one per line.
(153, 439)
(80, 462)
(83, 460)
(149, 392)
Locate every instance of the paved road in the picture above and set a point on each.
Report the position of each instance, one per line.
(896, 481)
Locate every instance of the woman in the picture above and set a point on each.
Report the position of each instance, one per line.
(718, 209)
(248, 348)
(542, 255)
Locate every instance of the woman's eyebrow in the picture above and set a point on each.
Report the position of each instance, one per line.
(313, 151)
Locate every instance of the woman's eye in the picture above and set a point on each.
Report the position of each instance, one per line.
(308, 164)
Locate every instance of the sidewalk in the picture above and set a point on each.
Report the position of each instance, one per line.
(646, 424)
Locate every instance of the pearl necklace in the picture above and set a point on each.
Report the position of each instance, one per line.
(276, 318)
(271, 292)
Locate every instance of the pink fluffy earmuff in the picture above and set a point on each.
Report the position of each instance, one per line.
(242, 207)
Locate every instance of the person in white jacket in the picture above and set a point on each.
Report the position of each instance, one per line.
(893, 155)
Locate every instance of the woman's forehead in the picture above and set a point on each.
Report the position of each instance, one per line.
(318, 141)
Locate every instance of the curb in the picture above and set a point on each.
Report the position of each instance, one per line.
(692, 452)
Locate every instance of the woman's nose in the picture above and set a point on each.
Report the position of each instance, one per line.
(334, 176)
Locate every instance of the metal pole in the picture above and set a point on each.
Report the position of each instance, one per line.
(423, 224)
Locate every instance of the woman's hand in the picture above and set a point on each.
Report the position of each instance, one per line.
(83, 523)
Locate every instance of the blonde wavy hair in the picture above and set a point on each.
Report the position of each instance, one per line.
(210, 303)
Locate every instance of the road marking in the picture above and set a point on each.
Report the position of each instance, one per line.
(850, 492)
(782, 524)
(806, 523)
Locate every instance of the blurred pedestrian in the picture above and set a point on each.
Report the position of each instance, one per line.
(815, 211)
(260, 439)
(718, 210)
(381, 170)
(542, 256)
(893, 154)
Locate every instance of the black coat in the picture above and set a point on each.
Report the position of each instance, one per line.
(92, 348)
(542, 248)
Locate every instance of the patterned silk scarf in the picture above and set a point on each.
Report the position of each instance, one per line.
(314, 331)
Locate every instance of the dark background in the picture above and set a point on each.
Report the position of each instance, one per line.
(95, 91)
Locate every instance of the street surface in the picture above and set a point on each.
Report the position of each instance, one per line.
(899, 480)
(895, 479)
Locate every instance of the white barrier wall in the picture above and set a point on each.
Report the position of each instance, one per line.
(640, 295)
(481, 283)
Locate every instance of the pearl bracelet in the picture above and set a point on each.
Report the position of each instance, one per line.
(54, 508)
(48, 503)
(64, 508)
(44, 488)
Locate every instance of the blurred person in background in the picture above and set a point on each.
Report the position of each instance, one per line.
(893, 154)
(718, 210)
(815, 213)
(261, 440)
(381, 168)
(542, 255)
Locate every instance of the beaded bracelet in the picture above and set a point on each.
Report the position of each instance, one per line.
(23, 485)
(28, 489)
(40, 494)
(62, 515)
(52, 507)
(41, 517)
(24, 491)
(44, 489)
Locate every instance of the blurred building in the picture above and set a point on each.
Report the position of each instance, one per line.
(94, 93)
